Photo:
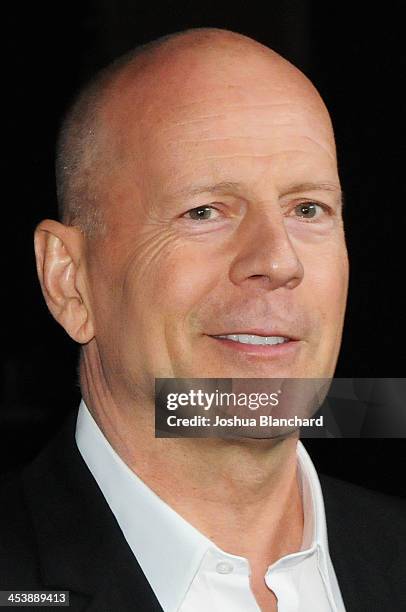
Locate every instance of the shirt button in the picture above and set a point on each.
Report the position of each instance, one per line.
(224, 567)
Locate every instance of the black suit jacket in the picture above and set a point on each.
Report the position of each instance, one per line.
(58, 532)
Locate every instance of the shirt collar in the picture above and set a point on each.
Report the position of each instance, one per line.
(167, 547)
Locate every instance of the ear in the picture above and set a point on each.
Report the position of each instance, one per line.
(61, 271)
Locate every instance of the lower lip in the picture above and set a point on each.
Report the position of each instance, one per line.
(284, 349)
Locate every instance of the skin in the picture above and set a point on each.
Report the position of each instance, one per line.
(145, 297)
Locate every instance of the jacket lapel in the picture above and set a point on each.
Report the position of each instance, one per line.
(361, 556)
(81, 546)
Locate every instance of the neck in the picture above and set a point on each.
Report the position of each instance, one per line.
(242, 494)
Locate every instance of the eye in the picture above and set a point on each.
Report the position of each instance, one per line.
(308, 210)
(202, 213)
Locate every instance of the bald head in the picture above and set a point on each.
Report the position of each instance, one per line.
(143, 82)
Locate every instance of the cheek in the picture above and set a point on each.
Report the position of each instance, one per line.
(326, 270)
(162, 314)
(183, 279)
(166, 280)
(326, 283)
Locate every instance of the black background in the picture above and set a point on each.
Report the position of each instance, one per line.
(355, 56)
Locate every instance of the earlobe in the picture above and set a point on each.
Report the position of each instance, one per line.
(58, 252)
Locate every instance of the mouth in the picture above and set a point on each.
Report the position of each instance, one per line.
(261, 344)
(255, 339)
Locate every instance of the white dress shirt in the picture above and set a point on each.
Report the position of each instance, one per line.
(186, 570)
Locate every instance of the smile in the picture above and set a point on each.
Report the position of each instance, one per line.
(255, 340)
(261, 345)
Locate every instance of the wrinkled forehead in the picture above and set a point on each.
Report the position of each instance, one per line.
(203, 114)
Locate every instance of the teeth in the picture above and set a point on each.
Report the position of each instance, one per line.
(252, 339)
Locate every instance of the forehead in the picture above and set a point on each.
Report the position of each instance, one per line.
(210, 118)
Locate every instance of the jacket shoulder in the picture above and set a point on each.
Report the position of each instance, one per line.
(370, 523)
(365, 504)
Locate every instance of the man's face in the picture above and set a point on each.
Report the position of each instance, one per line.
(210, 232)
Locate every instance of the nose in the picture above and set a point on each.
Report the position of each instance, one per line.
(266, 256)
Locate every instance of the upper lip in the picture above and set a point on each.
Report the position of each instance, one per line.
(258, 332)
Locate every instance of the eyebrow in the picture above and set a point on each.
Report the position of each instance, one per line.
(226, 186)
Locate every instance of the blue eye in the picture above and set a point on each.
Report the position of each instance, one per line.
(202, 213)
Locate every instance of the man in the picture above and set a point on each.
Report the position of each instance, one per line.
(201, 215)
